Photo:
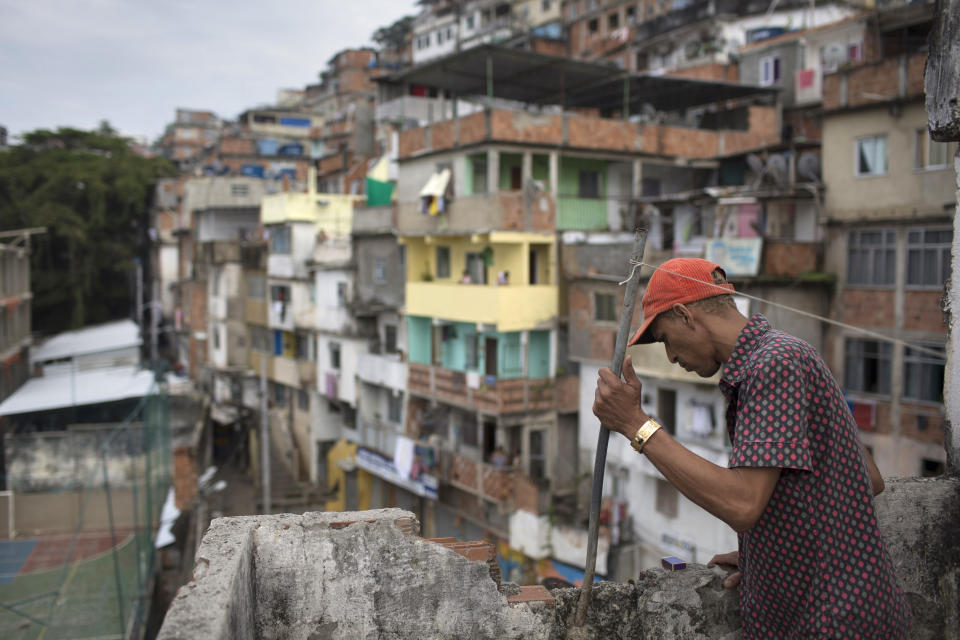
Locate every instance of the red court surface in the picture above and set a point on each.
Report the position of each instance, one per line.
(51, 549)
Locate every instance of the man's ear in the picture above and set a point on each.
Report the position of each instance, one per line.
(683, 315)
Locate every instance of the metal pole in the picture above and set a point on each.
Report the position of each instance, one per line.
(155, 307)
(113, 542)
(264, 436)
(619, 352)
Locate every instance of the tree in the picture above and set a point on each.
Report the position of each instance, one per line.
(92, 193)
(393, 37)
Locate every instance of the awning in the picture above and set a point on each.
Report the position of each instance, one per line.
(536, 78)
(63, 390)
(437, 184)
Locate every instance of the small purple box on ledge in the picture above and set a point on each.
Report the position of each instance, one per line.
(673, 563)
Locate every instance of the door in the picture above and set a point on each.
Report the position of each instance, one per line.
(489, 438)
(477, 268)
(516, 178)
(490, 356)
(533, 266)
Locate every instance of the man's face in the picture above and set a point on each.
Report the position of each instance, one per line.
(686, 342)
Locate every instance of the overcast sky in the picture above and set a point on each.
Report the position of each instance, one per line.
(133, 62)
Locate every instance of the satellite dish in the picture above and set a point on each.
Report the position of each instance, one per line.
(808, 166)
(757, 167)
(777, 170)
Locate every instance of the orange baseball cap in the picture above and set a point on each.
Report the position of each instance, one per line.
(677, 281)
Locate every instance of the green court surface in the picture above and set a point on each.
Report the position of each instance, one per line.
(87, 606)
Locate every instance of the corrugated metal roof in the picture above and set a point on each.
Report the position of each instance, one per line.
(96, 386)
(111, 336)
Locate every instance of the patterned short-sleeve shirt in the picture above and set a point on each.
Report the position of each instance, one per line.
(814, 564)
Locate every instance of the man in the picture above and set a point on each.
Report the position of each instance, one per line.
(798, 489)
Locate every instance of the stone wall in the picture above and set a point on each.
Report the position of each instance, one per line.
(367, 574)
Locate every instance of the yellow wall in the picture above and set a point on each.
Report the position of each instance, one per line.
(332, 212)
(510, 253)
(337, 477)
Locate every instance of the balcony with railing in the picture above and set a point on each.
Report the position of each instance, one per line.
(502, 211)
(511, 486)
(509, 307)
(470, 390)
(384, 370)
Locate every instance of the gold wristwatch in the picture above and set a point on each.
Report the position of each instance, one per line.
(644, 433)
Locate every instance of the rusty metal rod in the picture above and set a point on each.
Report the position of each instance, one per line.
(596, 494)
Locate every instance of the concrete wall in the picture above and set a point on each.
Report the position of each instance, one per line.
(58, 460)
(387, 291)
(904, 192)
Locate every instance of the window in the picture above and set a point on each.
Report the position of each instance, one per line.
(239, 190)
(666, 499)
(923, 374)
(593, 25)
(928, 256)
(544, 5)
(867, 366)
(769, 70)
(380, 270)
(631, 15)
(604, 307)
(395, 408)
(479, 174)
(871, 257)
(613, 21)
(443, 262)
(279, 394)
(449, 33)
(871, 156)
(256, 287)
(928, 153)
(216, 338)
(304, 346)
(303, 400)
(334, 355)
(589, 184)
(390, 338)
(538, 454)
(279, 239)
(439, 38)
(341, 294)
(279, 293)
(472, 348)
(592, 5)
(470, 22)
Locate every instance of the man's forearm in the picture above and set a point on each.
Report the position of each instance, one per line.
(736, 496)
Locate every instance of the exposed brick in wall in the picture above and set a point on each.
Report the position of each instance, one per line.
(411, 141)
(868, 307)
(921, 311)
(441, 135)
(789, 258)
(922, 422)
(527, 494)
(473, 128)
(241, 146)
(712, 71)
(549, 47)
(184, 478)
(333, 163)
(806, 124)
(865, 82)
(600, 133)
(522, 127)
(591, 132)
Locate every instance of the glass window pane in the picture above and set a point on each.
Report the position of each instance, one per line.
(913, 266)
(930, 271)
(881, 154)
(889, 265)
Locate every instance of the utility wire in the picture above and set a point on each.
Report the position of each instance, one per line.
(873, 334)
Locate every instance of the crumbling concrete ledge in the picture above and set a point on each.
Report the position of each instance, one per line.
(368, 576)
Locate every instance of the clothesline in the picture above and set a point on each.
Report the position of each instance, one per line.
(873, 334)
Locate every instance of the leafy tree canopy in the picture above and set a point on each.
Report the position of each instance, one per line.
(393, 36)
(92, 193)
